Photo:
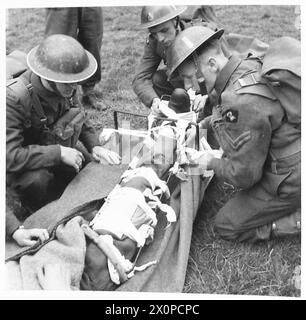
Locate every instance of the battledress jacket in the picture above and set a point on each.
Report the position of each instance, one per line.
(24, 150)
(258, 142)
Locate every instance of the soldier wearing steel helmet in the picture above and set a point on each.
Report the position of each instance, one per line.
(261, 147)
(164, 24)
(43, 126)
(85, 24)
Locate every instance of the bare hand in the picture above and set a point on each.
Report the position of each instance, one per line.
(28, 237)
(106, 134)
(205, 123)
(54, 277)
(202, 158)
(104, 155)
(72, 157)
(199, 102)
(155, 108)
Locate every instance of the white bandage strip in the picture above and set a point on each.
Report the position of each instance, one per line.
(150, 175)
(116, 217)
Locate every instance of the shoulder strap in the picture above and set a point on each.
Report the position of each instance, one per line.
(23, 91)
(252, 83)
(19, 92)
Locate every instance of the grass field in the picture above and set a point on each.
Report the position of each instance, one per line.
(215, 266)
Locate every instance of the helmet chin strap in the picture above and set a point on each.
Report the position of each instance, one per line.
(177, 23)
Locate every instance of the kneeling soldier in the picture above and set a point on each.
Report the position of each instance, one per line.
(262, 149)
(43, 124)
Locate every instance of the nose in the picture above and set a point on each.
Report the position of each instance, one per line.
(191, 84)
(187, 84)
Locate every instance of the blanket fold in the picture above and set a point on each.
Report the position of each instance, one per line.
(82, 198)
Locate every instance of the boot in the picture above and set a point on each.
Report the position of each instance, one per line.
(288, 225)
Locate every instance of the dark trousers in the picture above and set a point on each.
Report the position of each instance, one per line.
(84, 24)
(161, 84)
(35, 188)
(250, 213)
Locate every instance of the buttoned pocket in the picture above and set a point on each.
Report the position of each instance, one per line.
(66, 130)
(272, 182)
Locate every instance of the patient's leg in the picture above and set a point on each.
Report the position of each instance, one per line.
(96, 275)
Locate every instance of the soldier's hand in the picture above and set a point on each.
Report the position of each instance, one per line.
(72, 157)
(202, 158)
(28, 237)
(104, 155)
(155, 108)
(199, 102)
(205, 123)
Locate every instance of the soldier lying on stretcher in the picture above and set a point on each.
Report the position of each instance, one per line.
(126, 221)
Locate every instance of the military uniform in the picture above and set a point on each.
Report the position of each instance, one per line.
(150, 83)
(261, 155)
(33, 155)
(11, 223)
(84, 24)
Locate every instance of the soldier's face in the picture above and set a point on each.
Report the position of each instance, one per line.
(188, 71)
(164, 33)
(209, 68)
(66, 89)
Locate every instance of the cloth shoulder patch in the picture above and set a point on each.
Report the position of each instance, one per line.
(252, 83)
(230, 115)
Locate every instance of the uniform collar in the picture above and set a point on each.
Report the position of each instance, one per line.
(226, 73)
(183, 24)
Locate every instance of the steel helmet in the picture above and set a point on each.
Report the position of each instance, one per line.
(61, 58)
(188, 41)
(154, 15)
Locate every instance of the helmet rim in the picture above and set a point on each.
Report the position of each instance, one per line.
(60, 77)
(163, 19)
(215, 35)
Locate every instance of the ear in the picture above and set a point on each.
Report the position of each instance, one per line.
(213, 65)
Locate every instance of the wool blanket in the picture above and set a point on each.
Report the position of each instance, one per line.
(81, 200)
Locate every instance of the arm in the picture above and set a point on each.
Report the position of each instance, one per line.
(142, 83)
(22, 236)
(11, 222)
(245, 142)
(20, 157)
(88, 136)
(90, 139)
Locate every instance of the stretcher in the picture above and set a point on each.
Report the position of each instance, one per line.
(157, 264)
(120, 268)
